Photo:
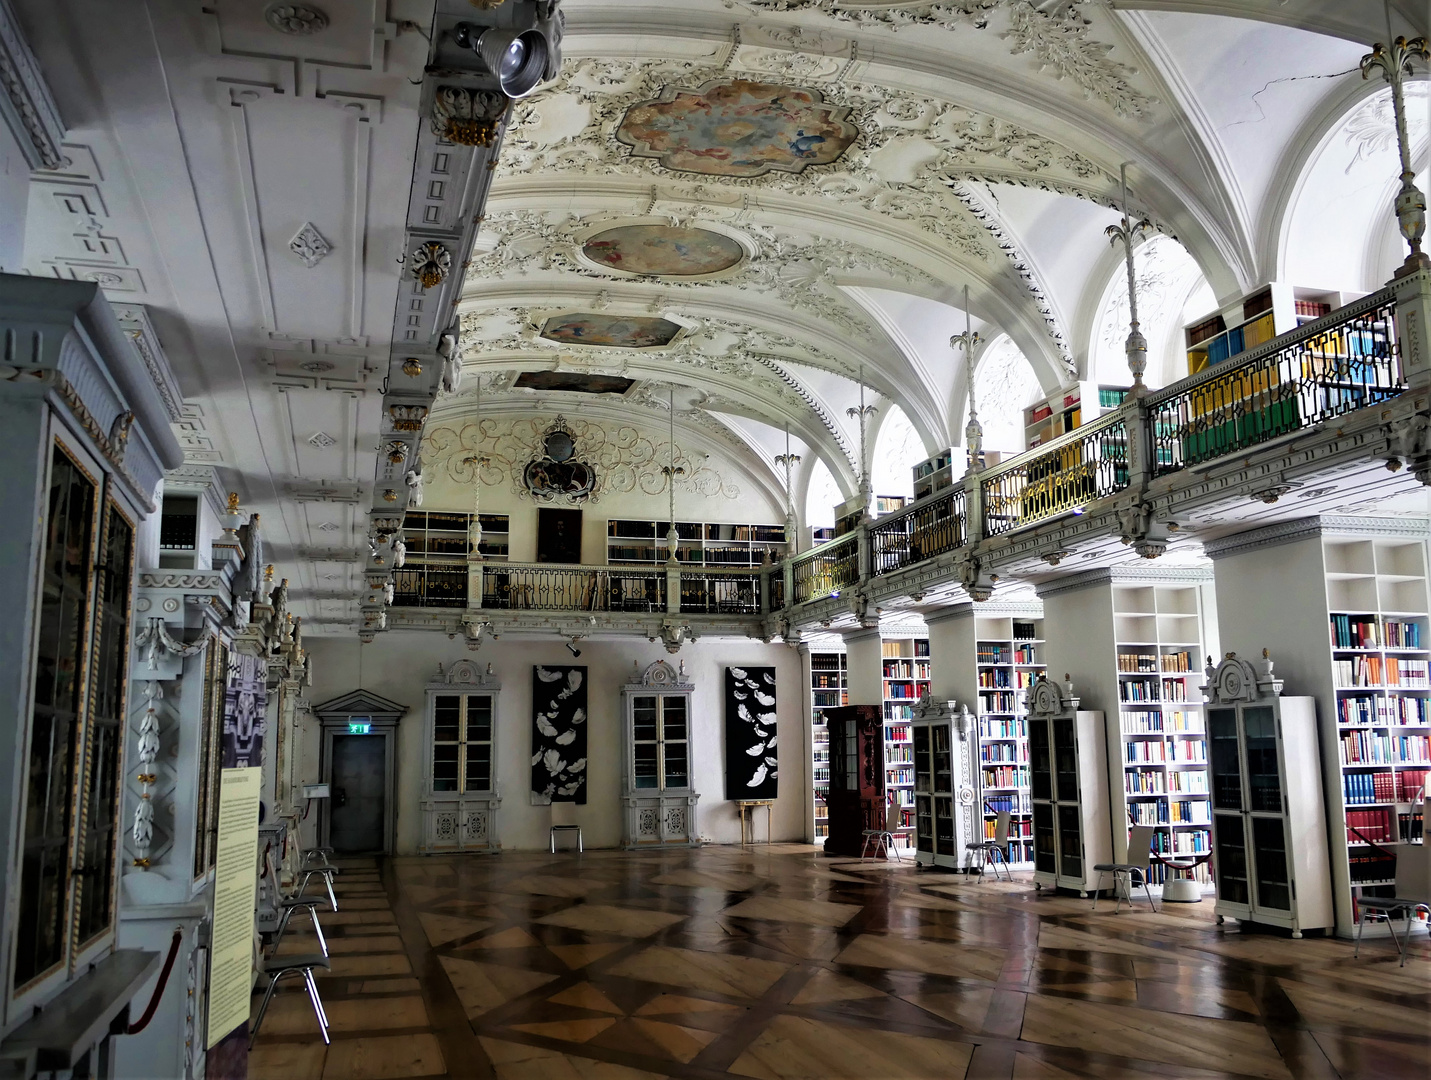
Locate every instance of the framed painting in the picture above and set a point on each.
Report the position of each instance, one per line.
(752, 759)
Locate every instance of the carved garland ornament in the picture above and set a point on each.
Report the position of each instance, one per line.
(468, 117)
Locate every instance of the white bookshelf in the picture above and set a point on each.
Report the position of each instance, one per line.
(906, 679)
(829, 687)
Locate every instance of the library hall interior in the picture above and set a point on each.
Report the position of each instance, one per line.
(702, 539)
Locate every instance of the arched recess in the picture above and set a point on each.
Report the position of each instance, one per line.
(1171, 290)
(822, 495)
(897, 449)
(1004, 385)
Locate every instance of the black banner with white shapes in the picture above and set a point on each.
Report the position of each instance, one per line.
(558, 734)
(752, 761)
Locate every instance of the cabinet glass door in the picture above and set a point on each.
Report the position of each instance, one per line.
(924, 820)
(1264, 778)
(944, 826)
(1070, 842)
(1224, 759)
(923, 768)
(1065, 761)
(1229, 836)
(1040, 761)
(1269, 856)
(943, 759)
(1045, 860)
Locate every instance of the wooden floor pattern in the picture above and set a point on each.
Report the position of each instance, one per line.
(777, 963)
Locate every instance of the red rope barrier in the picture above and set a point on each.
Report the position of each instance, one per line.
(135, 1029)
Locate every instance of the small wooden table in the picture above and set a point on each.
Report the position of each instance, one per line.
(747, 818)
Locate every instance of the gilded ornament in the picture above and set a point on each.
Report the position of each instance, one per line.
(468, 117)
(233, 502)
(412, 367)
(430, 263)
(389, 495)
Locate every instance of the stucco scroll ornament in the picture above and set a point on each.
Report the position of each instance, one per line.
(299, 19)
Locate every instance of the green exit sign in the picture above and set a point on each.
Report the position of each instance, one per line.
(360, 727)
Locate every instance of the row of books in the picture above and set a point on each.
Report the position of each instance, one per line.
(1006, 804)
(1364, 632)
(896, 733)
(1026, 654)
(988, 653)
(900, 754)
(1410, 783)
(903, 691)
(1192, 842)
(1002, 751)
(1371, 748)
(829, 699)
(1381, 671)
(996, 678)
(1143, 722)
(1385, 711)
(825, 661)
(901, 775)
(1143, 663)
(1141, 752)
(1140, 690)
(1172, 812)
(826, 681)
(1371, 826)
(1369, 866)
(906, 669)
(998, 701)
(902, 713)
(1143, 782)
(1006, 776)
(997, 727)
(1359, 788)
(1018, 829)
(1189, 752)
(1191, 782)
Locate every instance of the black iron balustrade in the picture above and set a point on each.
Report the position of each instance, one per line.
(919, 533)
(775, 582)
(430, 586)
(572, 588)
(714, 592)
(1088, 463)
(827, 569)
(1338, 364)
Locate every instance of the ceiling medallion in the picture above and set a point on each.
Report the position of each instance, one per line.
(308, 244)
(620, 331)
(317, 367)
(555, 474)
(298, 19)
(732, 127)
(430, 263)
(663, 250)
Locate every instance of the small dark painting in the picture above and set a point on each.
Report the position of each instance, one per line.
(574, 382)
(558, 535)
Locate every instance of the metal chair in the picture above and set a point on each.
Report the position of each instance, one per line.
(300, 903)
(1413, 893)
(279, 966)
(999, 846)
(1140, 844)
(564, 821)
(884, 838)
(317, 862)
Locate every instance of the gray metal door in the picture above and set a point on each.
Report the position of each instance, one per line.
(358, 793)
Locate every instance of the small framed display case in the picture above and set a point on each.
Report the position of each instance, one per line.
(945, 784)
(1269, 825)
(459, 783)
(1068, 770)
(656, 791)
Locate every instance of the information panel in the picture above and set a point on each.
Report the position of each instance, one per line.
(235, 886)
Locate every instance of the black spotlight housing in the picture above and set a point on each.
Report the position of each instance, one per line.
(517, 58)
(571, 648)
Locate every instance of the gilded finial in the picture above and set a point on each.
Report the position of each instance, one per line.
(268, 574)
(233, 502)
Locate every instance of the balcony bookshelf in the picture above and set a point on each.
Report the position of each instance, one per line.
(1070, 408)
(440, 538)
(829, 688)
(1258, 317)
(710, 544)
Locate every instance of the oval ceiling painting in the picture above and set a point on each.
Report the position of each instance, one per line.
(663, 250)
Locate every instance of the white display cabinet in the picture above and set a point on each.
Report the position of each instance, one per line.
(1269, 824)
(1068, 769)
(460, 797)
(945, 784)
(658, 800)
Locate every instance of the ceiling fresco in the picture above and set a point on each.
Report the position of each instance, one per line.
(737, 128)
(575, 382)
(663, 250)
(619, 331)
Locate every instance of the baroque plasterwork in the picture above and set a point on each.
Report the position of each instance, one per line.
(1057, 35)
(626, 459)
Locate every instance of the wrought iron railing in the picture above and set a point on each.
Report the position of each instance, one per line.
(1338, 364)
(1088, 463)
(775, 585)
(572, 588)
(827, 569)
(919, 533)
(717, 592)
(430, 586)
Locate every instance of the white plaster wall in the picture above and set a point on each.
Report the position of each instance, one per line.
(14, 200)
(399, 664)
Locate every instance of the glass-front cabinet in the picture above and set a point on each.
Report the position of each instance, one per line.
(1268, 822)
(459, 790)
(944, 792)
(1068, 788)
(659, 801)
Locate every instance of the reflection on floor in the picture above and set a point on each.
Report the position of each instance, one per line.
(774, 962)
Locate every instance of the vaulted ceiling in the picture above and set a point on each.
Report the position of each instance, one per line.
(747, 207)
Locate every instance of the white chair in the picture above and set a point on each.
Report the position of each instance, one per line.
(564, 821)
(1140, 846)
(884, 838)
(998, 846)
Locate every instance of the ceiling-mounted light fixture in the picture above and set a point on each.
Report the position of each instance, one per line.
(517, 58)
(571, 648)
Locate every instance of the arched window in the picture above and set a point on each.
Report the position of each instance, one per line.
(1004, 385)
(897, 450)
(822, 498)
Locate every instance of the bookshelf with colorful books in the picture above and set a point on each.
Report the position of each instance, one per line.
(996, 651)
(1252, 320)
(906, 679)
(1071, 407)
(829, 688)
(1132, 638)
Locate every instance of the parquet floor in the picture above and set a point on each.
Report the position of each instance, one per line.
(776, 963)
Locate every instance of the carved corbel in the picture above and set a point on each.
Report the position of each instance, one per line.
(1138, 529)
(1411, 445)
(673, 635)
(977, 581)
(472, 630)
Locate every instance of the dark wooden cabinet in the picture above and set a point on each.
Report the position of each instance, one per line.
(856, 799)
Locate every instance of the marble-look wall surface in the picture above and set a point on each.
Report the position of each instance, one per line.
(400, 664)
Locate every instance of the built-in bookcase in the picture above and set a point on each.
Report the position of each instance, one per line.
(1380, 647)
(1160, 740)
(697, 543)
(829, 688)
(906, 680)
